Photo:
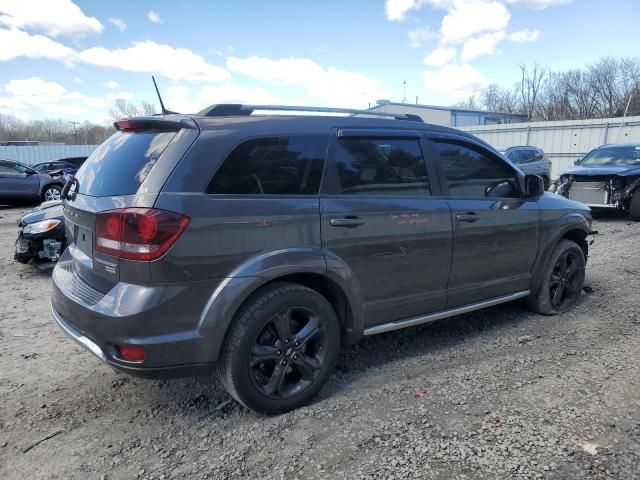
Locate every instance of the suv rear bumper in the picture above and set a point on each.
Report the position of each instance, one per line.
(162, 320)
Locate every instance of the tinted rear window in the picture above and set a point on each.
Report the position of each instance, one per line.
(273, 166)
(121, 164)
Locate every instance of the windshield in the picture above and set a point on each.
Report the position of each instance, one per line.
(612, 156)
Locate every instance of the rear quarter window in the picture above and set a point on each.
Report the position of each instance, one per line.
(120, 165)
(283, 165)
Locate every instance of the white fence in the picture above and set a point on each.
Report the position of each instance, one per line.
(563, 141)
(31, 154)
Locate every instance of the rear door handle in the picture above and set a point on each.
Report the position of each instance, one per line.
(348, 222)
(467, 217)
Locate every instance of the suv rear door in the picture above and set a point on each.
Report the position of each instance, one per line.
(495, 230)
(384, 216)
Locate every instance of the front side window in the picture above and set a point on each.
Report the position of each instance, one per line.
(473, 172)
(380, 166)
(6, 167)
(287, 165)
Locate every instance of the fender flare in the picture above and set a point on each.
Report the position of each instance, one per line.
(259, 270)
(567, 223)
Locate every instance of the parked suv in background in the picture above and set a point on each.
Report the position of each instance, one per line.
(259, 244)
(19, 182)
(532, 161)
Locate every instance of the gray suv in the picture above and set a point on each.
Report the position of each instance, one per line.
(532, 161)
(257, 245)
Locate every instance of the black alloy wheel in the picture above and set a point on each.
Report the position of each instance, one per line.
(288, 353)
(281, 348)
(566, 280)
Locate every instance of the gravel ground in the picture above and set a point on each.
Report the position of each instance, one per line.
(501, 393)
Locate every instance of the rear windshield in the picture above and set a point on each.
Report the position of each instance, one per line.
(121, 164)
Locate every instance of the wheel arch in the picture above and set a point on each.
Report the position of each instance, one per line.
(306, 267)
(574, 228)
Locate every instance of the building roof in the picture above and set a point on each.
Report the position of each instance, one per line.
(451, 109)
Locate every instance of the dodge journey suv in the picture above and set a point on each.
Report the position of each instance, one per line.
(258, 245)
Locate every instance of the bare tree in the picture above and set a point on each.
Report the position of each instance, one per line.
(531, 82)
(123, 109)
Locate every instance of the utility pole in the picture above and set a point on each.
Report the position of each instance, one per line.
(626, 110)
(404, 91)
(75, 132)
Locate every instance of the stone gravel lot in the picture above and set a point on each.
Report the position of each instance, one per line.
(501, 393)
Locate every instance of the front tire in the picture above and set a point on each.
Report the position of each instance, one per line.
(51, 192)
(562, 281)
(280, 349)
(634, 207)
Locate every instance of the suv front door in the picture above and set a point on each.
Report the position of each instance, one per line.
(495, 229)
(384, 217)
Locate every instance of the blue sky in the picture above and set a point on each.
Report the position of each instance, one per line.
(60, 58)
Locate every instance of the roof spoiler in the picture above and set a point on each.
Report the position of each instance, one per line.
(153, 123)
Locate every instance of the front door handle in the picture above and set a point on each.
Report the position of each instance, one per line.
(467, 217)
(348, 222)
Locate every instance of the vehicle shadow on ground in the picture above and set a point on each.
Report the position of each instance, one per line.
(205, 397)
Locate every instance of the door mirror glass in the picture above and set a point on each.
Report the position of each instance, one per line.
(533, 185)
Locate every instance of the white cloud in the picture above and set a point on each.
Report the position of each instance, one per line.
(458, 79)
(326, 85)
(151, 57)
(118, 23)
(539, 4)
(440, 56)
(396, 10)
(53, 17)
(111, 84)
(418, 36)
(483, 45)
(230, 93)
(524, 35)
(179, 90)
(183, 99)
(154, 17)
(15, 43)
(470, 17)
(78, 80)
(49, 97)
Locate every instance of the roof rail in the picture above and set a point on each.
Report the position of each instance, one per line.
(236, 109)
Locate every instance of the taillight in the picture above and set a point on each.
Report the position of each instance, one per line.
(138, 233)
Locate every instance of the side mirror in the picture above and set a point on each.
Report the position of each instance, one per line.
(533, 186)
(577, 161)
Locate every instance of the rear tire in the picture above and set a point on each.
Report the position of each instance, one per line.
(280, 349)
(562, 281)
(546, 182)
(51, 192)
(634, 207)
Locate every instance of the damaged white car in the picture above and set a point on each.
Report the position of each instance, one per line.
(607, 177)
